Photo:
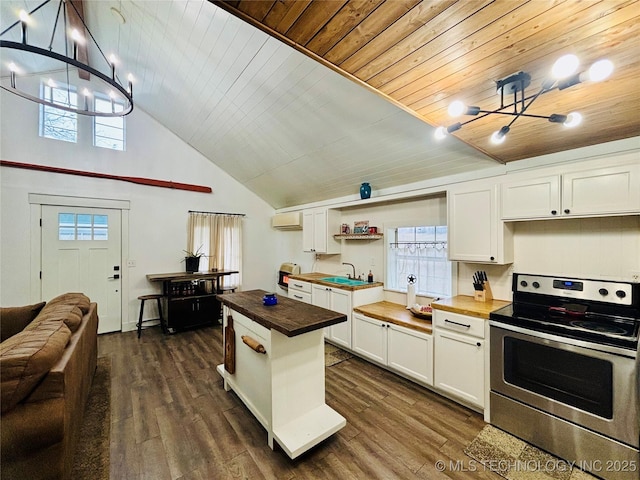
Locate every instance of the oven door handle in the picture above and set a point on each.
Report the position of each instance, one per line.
(564, 340)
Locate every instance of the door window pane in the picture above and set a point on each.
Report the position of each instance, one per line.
(83, 226)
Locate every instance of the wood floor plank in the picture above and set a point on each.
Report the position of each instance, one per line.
(153, 460)
(173, 420)
(124, 452)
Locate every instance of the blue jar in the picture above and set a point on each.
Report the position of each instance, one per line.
(270, 299)
(365, 190)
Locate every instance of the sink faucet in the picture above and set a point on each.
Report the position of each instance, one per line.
(354, 269)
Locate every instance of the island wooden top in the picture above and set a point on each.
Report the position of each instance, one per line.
(289, 317)
(315, 277)
(184, 276)
(466, 305)
(396, 314)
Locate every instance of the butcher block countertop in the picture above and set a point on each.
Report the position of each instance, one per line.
(289, 317)
(316, 277)
(466, 305)
(396, 314)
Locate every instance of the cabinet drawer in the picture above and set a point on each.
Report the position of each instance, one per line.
(300, 296)
(299, 286)
(459, 323)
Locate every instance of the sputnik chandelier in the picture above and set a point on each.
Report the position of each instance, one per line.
(563, 75)
(21, 60)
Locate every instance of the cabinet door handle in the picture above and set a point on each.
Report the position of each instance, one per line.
(446, 320)
(297, 296)
(566, 210)
(554, 212)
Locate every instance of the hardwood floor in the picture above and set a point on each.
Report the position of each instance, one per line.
(172, 419)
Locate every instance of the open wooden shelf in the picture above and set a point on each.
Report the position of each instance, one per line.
(358, 236)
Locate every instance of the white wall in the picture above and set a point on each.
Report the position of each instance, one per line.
(157, 218)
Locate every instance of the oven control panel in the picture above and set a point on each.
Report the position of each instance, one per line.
(619, 293)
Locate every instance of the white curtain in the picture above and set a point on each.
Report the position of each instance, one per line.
(219, 237)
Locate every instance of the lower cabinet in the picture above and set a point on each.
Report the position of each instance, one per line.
(339, 301)
(187, 312)
(406, 351)
(299, 290)
(459, 357)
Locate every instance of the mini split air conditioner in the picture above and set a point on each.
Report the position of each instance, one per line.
(287, 221)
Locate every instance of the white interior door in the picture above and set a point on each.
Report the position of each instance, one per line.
(81, 252)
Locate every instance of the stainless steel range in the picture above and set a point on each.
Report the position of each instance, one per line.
(564, 370)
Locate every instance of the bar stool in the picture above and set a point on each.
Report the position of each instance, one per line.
(144, 298)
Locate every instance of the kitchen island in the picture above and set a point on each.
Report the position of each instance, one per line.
(274, 362)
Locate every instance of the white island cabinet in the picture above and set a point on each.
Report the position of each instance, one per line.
(274, 362)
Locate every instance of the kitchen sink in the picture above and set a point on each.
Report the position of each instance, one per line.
(343, 281)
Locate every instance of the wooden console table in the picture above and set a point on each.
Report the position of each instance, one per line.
(190, 298)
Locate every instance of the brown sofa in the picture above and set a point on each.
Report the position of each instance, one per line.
(48, 357)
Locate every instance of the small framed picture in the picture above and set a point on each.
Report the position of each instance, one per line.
(361, 227)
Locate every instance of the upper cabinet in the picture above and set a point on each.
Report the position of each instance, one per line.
(605, 191)
(476, 233)
(535, 198)
(318, 227)
(612, 190)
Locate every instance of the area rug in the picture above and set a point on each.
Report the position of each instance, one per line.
(334, 355)
(514, 459)
(91, 460)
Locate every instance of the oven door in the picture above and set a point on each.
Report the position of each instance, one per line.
(593, 389)
(283, 279)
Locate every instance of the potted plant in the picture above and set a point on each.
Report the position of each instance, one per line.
(192, 260)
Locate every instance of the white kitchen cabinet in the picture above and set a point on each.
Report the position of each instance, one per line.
(318, 227)
(410, 352)
(406, 351)
(600, 191)
(459, 357)
(343, 301)
(532, 198)
(299, 290)
(370, 338)
(339, 301)
(476, 233)
(603, 191)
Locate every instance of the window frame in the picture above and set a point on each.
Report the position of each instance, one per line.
(96, 120)
(391, 239)
(45, 111)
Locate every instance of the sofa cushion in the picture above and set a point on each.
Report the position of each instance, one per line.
(27, 357)
(76, 299)
(14, 319)
(69, 314)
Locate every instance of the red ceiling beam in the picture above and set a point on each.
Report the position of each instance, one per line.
(138, 180)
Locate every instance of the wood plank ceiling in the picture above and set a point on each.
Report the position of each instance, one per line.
(421, 55)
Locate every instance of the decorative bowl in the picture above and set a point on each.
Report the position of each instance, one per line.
(270, 299)
(421, 311)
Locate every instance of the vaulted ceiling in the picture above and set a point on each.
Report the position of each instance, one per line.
(302, 100)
